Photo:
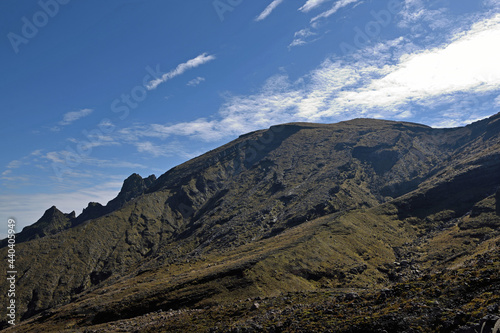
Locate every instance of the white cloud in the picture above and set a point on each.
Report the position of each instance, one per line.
(166, 149)
(95, 140)
(302, 37)
(148, 147)
(73, 116)
(338, 5)
(61, 158)
(16, 164)
(114, 164)
(181, 69)
(238, 115)
(269, 9)
(311, 4)
(421, 19)
(469, 63)
(196, 81)
(37, 152)
(388, 80)
(54, 157)
(197, 128)
(307, 35)
(494, 4)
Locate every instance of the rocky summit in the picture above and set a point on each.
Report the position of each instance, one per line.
(359, 226)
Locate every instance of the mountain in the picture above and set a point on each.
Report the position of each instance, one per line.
(300, 227)
(54, 221)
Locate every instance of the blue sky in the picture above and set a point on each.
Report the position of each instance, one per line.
(94, 91)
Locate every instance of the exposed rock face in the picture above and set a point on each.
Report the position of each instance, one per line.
(93, 210)
(297, 207)
(132, 187)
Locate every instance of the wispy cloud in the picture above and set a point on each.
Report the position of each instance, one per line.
(201, 128)
(269, 9)
(338, 5)
(181, 69)
(54, 157)
(303, 37)
(310, 34)
(311, 4)
(60, 157)
(95, 140)
(166, 149)
(391, 80)
(417, 16)
(494, 4)
(73, 116)
(196, 81)
(16, 164)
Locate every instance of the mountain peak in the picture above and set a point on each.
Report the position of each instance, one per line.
(52, 222)
(52, 210)
(132, 187)
(51, 214)
(135, 181)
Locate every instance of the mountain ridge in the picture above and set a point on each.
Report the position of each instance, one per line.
(343, 199)
(54, 221)
(94, 209)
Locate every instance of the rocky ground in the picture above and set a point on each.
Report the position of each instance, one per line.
(461, 300)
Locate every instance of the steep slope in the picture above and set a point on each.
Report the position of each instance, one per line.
(298, 207)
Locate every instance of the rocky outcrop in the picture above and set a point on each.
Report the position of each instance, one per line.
(132, 187)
